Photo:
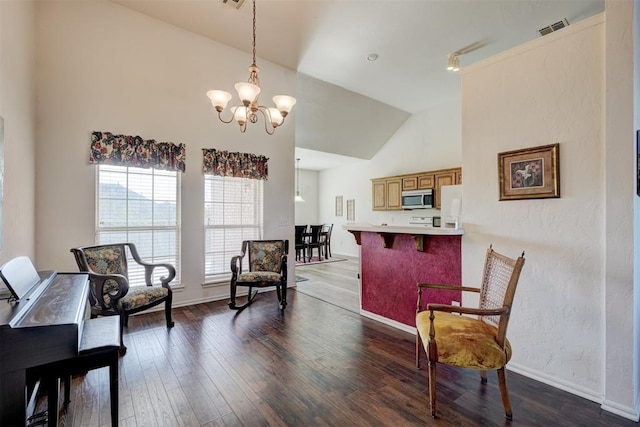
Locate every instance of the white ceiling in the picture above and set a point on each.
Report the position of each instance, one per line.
(329, 40)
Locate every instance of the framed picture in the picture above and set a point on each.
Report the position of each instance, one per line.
(638, 162)
(351, 210)
(530, 173)
(338, 205)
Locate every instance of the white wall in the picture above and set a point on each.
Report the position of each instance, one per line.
(427, 141)
(636, 207)
(17, 107)
(620, 177)
(307, 212)
(104, 67)
(547, 91)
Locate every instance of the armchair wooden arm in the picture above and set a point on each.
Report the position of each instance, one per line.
(100, 287)
(442, 287)
(467, 310)
(149, 268)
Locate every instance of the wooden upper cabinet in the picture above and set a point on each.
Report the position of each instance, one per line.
(445, 177)
(379, 194)
(417, 182)
(425, 181)
(394, 194)
(387, 194)
(410, 183)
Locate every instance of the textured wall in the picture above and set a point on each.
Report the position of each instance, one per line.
(550, 90)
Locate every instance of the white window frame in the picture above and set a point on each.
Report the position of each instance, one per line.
(234, 228)
(148, 254)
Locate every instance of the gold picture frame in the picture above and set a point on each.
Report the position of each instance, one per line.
(530, 173)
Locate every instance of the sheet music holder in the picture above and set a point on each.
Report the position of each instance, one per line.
(20, 277)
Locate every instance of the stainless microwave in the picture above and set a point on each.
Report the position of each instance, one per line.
(417, 199)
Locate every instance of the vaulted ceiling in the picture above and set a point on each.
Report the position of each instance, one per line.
(348, 105)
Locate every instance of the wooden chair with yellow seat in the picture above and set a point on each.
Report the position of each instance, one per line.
(451, 337)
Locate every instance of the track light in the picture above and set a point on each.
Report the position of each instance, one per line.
(453, 63)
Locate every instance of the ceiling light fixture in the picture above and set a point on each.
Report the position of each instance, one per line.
(298, 196)
(372, 57)
(453, 63)
(248, 93)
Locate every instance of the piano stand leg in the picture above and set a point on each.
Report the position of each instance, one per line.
(53, 389)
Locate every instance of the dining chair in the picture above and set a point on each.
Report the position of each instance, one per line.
(301, 242)
(315, 241)
(326, 238)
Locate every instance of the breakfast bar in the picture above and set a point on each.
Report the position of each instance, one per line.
(393, 259)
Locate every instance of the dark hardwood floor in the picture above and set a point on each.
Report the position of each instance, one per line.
(317, 364)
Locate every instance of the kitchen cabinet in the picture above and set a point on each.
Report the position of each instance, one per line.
(417, 182)
(387, 194)
(443, 178)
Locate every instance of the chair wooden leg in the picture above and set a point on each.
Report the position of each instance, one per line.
(123, 322)
(167, 311)
(283, 302)
(232, 295)
(502, 379)
(418, 345)
(432, 387)
(483, 377)
(113, 389)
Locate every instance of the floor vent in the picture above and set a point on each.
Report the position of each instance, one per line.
(237, 4)
(553, 27)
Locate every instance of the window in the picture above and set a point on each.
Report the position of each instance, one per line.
(232, 213)
(141, 206)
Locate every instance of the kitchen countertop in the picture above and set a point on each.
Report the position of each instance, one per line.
(404, 229)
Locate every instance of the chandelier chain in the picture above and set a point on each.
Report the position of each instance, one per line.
(254, 32)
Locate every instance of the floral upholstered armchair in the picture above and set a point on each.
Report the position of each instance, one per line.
(111, 293)
(265, 265)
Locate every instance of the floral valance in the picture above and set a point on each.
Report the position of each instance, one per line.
(238, 165)
(125, 150)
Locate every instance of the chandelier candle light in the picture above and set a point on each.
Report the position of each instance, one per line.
(248, 93)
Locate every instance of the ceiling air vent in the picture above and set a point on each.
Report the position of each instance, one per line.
(237, 4)
(553, 27)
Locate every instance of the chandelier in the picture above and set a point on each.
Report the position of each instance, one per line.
(248, 94)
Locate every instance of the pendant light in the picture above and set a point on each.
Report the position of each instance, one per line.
(248, 92)
(299, 198)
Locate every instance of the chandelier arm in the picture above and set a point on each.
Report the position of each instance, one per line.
(233, 114)
(223, 120)
(267, 119)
